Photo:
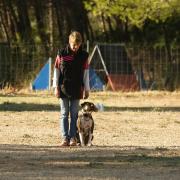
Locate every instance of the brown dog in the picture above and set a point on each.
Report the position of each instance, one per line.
(85, 123)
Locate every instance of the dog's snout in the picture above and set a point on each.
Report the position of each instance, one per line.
(86, 108)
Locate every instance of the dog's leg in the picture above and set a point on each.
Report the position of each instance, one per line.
(91, 134)
(90, 139)
(81, 139)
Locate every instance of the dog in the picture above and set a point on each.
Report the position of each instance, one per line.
(85, 123)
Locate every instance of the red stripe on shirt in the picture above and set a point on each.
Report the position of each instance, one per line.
(86, 65)
(67, 58)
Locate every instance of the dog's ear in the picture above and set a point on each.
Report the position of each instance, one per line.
(93, 107)
(82, 104)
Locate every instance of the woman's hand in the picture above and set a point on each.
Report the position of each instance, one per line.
(57, 92)
(86, 94)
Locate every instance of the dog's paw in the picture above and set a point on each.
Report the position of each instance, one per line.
(89, 144)
(82, 144)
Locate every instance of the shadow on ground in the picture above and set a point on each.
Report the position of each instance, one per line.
(8, 106)
(144, 109)
(97, 162)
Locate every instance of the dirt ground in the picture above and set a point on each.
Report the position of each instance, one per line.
(137, 136)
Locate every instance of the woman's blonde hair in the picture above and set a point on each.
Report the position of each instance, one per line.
(75, 37)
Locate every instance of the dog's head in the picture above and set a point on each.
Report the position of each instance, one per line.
(88, 107)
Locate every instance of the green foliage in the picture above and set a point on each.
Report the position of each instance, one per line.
(137, 11)
(147, 17)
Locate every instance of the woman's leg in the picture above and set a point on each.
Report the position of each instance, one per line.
(74, 108)
(64, 104)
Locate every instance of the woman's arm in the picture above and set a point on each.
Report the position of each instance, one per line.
(56, 75)
(86, 80)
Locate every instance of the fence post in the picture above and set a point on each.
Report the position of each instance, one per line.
(87, 48)
(50, 61)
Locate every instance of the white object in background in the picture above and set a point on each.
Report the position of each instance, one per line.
(100, 106)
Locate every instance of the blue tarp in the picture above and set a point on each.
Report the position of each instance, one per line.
(42, 80)
(94, 80)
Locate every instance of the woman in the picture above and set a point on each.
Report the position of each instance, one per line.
(71, 83)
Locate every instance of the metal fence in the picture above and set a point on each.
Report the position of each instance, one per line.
(153, 68)
(137, 68)
(20, 64)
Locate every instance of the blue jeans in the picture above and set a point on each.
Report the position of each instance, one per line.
(68, 127)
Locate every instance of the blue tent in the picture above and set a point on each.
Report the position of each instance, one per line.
(94, 80)
(42, 81)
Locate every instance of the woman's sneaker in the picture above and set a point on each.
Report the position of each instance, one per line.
(65, 142)
(73, 142)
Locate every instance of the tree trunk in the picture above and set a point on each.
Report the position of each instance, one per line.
(6, 20)
(119, 29)
(40, 14)
(169, 81)
(126, 32)
(4, 31)
(24, 25)
(111, 31)
(58, 6)
(104, 28)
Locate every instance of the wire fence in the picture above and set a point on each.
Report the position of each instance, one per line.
(20, 64)
(137, 68)
(150, 68)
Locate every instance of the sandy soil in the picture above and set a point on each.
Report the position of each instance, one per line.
(137, 136)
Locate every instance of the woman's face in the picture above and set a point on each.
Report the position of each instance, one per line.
(74, 46)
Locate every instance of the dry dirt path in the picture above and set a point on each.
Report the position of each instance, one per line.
(136, 137)
(52, 162)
